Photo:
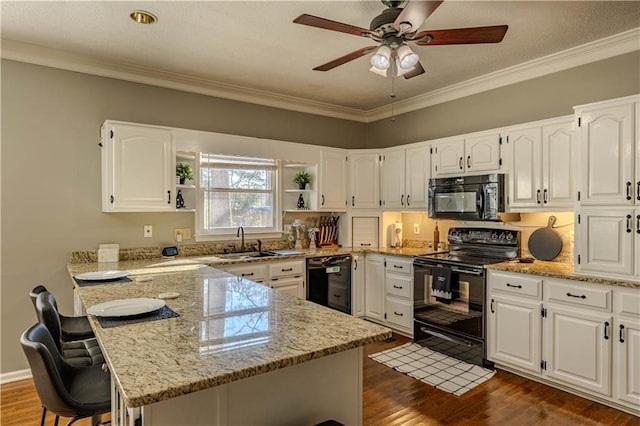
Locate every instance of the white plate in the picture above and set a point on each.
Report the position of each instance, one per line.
(102, 275)
(126, 307)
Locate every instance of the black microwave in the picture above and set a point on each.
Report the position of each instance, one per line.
(467, 197)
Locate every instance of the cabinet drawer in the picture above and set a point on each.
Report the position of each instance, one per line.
(524, 285)
(255, 272)
(587, 295)
(398, 265)
(285, 269)
(626, 302)
(399, 285)
(400, 313)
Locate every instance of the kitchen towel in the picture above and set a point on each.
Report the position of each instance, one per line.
(162, 313)
(85, 283)
(434, 368)
(441, 284)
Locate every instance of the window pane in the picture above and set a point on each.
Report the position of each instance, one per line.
(236, 178)
(233, 209)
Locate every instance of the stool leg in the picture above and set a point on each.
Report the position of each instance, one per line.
(44, 415)
(56, 422)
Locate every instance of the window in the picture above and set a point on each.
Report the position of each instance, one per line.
(237, 191)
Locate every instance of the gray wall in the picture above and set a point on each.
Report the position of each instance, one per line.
(550, 96)
(51, 163)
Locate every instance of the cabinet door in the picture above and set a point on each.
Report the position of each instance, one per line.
(392, 171)
(139, 169)
(605, 240)
(364, 180)
(514, 335)
(293, 286)
(578, 348)
(526, 159)
(374, 288)
(482, 153)
(448, 158)
(558, 187)
(357, 286)
(399, 314)
(417, 162)
(627, 361)
(606, 155)
(333, 178)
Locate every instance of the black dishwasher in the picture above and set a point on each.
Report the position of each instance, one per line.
(329, 281)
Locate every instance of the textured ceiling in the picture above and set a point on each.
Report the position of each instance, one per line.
(255, 45)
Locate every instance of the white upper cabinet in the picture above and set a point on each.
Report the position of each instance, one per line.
(607, 151)
(541, 165)
(392, 181)
(364, 180)
(138, 168)
(416, 176)
(474, 154)
(333, 180)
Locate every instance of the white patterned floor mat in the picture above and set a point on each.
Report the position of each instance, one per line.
(434, 368)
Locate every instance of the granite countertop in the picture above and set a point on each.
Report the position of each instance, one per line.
(229, 328)
(558, 270)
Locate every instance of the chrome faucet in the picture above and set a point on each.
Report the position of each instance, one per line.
(238, 233)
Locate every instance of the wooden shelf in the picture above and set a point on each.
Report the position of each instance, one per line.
(299, 190)
(184, 186)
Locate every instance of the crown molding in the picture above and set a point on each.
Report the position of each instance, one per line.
(608, 47)
(38, 55)
(615, 45)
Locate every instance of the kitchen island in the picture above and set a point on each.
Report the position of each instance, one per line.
(238, 353)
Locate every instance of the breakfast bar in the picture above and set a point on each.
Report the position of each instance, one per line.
(237, 353)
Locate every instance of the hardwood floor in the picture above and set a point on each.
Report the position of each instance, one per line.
(392, 398)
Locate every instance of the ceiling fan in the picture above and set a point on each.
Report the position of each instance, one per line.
(396, 26)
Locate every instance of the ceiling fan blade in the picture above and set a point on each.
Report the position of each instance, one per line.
(414, 14)
(327, 24)
(416, 71)
(493, 34)
(346, 58)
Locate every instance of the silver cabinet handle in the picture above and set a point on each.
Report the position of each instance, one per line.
(628, 190)
(544, 196)
(460, 163)
(538, 196)
(468, 162)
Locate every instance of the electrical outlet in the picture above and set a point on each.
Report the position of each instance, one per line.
(148, 231)
(416, 228)
(287, 228)
(185, 234)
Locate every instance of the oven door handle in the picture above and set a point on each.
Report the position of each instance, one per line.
(465, 271)
(445, 337)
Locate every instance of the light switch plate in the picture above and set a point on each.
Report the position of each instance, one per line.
(416, 228)
(185, 233)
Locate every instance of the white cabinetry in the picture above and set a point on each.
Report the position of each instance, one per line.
(478, 152)
(626, 347)
(285, 276)
(541, 158)
(292, 190)
(364, 180)
(608, 211)
(138, 168)
(374, 287)
(257, 272)
(514, 326)
(333, 180)
(578, 335)
(357, 285)
(408, 189)
(187, 190)
(399, 294)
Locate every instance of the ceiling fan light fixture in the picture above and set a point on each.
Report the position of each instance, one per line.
(382, 58)
(407, 58)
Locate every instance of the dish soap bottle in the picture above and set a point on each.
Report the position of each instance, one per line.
(436, 237)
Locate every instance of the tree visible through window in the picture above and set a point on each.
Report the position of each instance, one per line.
(237, 191)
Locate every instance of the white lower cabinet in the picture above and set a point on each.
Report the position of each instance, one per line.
(281, 276)
(582, 336)
(357, 285)
(374, 287)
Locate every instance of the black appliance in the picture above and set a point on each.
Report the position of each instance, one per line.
(467, 197)
(449, 291)
(329, 281)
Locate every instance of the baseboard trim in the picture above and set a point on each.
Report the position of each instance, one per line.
(14, 376)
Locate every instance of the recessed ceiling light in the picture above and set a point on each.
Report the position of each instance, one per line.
(142, 17)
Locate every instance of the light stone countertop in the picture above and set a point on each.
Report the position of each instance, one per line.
(558, 270)
(229, 328)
